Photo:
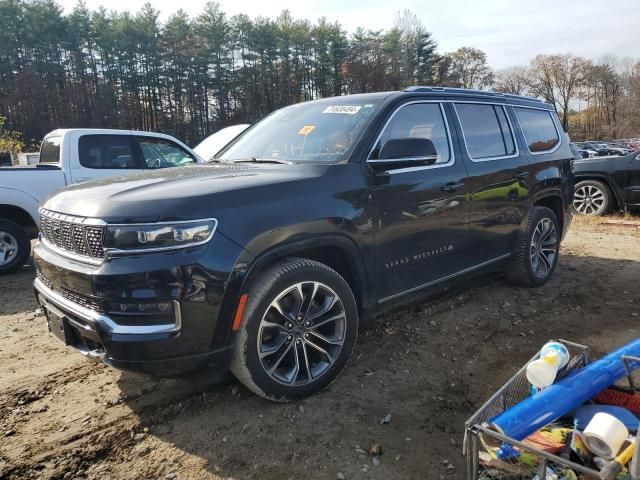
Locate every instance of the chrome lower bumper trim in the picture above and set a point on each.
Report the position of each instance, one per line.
(106, 323)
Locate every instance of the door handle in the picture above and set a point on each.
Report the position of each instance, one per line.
(521, 175)
(452, 186)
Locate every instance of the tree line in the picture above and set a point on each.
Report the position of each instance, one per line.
(189, 76)
(595, 100)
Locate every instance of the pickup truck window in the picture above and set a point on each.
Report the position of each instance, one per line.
(50, 150)
(539, 129)
(312, 132)
(487, 133)
(417, 120)
(107, 152)
(161, 153)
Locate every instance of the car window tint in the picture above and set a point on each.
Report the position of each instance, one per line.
(161, 153)
(107, 152)
(418, 120)
(486, 130)
(538, 128)
(50, 150)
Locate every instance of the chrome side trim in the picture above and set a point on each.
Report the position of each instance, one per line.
(116, 252)
(405, 159)
(448, 277)
(104, 321)
(464, 138)
(452, 158)
(558, 132)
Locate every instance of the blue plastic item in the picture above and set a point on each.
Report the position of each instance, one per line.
(507, 452)
(557, 400)
(583, 415)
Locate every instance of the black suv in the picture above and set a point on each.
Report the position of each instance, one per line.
(319, 216)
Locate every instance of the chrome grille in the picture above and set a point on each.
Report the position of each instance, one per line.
(76, 235)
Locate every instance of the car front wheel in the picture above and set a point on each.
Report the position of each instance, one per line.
(297, 332)
(14, 247)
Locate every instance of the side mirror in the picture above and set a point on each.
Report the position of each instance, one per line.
(405, 152)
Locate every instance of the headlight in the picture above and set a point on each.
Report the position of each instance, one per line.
(154, 237)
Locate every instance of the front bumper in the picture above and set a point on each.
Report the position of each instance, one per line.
(194, 333)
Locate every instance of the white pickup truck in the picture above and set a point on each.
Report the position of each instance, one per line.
(72, 156)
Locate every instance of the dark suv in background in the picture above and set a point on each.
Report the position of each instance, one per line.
(318, 217)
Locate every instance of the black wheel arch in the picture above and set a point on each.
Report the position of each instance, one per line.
(336, 251)
(21, 217)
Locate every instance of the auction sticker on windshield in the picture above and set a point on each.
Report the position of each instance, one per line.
(306, 130)
(346, 109)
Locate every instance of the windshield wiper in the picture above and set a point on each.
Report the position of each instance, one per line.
(262, 160)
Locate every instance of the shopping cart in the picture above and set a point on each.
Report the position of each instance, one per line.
(479, 440)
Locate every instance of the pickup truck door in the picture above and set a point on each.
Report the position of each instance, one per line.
(499, 177)
(421, 210)
(95, 155)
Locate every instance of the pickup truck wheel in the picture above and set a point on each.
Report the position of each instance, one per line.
(14, 247)
(591, 197)
(298, 330)
(536, 254)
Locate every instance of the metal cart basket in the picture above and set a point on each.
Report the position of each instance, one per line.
(480, 460)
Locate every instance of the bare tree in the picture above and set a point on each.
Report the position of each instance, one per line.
(514, 80)
(469, 69)
(557, 78)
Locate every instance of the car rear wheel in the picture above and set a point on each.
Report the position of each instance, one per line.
(14, 247)
(536, 255)
(592, 197)
(297, 332)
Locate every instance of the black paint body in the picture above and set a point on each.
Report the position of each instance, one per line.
(621, 174)
(389, 234)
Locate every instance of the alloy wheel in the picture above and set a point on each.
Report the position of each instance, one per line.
(301, 333)
(8, 248)
(544, 248)
(588, 200)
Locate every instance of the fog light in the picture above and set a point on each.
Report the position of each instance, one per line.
(140, 308)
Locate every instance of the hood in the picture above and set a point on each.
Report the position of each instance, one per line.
(180, 193)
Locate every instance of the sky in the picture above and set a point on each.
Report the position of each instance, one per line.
(510, 32)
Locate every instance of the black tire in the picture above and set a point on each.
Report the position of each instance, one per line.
(19, 257)
(592, 197)
(522, 267)
(262, 291)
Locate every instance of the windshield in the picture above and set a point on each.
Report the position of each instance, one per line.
(313, 132)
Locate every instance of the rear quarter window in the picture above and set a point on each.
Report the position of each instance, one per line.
(50, 150)
(539, 129)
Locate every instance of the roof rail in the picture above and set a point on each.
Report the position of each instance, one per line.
(469, 91)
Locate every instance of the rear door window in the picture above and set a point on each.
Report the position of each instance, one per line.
(50, 150)
(114, 152)
(539, 129)
(486, 131)
(417, 120)
(162, 153)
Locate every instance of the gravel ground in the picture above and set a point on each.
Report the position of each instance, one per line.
(410, 386)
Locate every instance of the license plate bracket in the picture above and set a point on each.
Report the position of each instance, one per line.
(58, 325)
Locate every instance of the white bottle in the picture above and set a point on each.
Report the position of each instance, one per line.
(542, 372)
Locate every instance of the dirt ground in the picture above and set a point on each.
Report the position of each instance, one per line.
(425, 369)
